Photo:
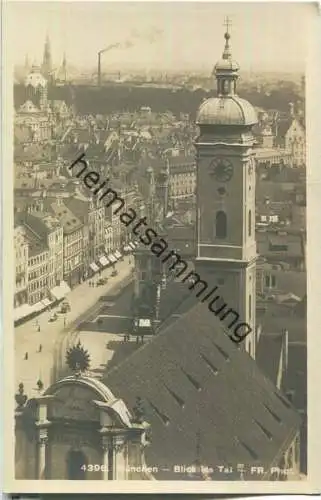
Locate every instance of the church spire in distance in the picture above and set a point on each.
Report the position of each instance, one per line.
(47, 60)
(226, 70)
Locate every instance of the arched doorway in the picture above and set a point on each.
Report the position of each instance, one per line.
(76, 465)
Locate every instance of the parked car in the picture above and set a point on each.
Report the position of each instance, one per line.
(101, 282)
(114, 272)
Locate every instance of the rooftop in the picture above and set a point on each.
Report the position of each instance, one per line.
(68, 220)
(195, 382)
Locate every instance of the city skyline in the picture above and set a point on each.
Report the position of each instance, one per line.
(264, 37)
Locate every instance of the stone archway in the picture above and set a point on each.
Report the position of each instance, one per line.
(76, 465)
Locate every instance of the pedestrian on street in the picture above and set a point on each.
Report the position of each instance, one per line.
(65, 321)
(26, 355)
(40, 348)
(40, 385)
(38, 328)
(137, 339)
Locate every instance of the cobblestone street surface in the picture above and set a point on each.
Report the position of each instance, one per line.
(54, 337)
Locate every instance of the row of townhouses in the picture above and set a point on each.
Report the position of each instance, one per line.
(60, 242)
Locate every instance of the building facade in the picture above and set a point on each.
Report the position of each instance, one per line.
(36, 88)
(30, 121)
(21, 267)
(73, 271)
(37, 272)
(296, 143)
(182, 180)
(48, 229)
(100, 431)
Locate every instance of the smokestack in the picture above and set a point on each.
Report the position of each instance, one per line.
(99, 69)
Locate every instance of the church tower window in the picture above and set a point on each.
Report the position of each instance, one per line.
(250, 223)
(221, 225)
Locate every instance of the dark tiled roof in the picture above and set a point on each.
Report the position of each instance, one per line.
(194, 381)
(281, 246)
(35, 225)
(66, 218)
(180, 237)
(78, 207)
(32, 152)
(268, 354)
(175, 300)
(283, 126)
(36, 245)
(25, 183)
(296, 378)
(278, 317)
(302, 122)
(22, 134)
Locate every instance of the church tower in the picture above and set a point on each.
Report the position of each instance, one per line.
(46, 68)
(226, 247)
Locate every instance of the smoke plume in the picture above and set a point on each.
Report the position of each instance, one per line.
(150, 36)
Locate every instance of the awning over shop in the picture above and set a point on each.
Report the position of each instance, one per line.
(118, 255)
(37, 307)
(132, 245)
(104, 261)
(94, 267)
(46, 302)
(127, 248)
(21, 312)
(59, 292)
(112, 258)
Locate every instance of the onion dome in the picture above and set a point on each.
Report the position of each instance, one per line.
(227, 108)
(35, 78)
(228, 111)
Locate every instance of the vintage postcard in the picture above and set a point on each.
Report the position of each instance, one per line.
(161, 172)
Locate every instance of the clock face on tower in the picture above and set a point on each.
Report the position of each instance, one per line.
(222, 169)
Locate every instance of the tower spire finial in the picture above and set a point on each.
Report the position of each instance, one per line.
(227, 23)
(227, 54)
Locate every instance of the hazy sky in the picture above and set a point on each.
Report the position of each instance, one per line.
(164, 35)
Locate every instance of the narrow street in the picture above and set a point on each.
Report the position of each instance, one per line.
(55, 337)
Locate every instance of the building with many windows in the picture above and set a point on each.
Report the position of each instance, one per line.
(73, 270)
(182, 177)
(21, 266)
(91, 213)
(37, 269)
(48, 230)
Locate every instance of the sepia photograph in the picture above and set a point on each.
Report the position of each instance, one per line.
(156, 265)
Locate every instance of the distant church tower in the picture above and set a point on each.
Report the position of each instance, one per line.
(46, 68)
(36, 88)
(226, 246)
